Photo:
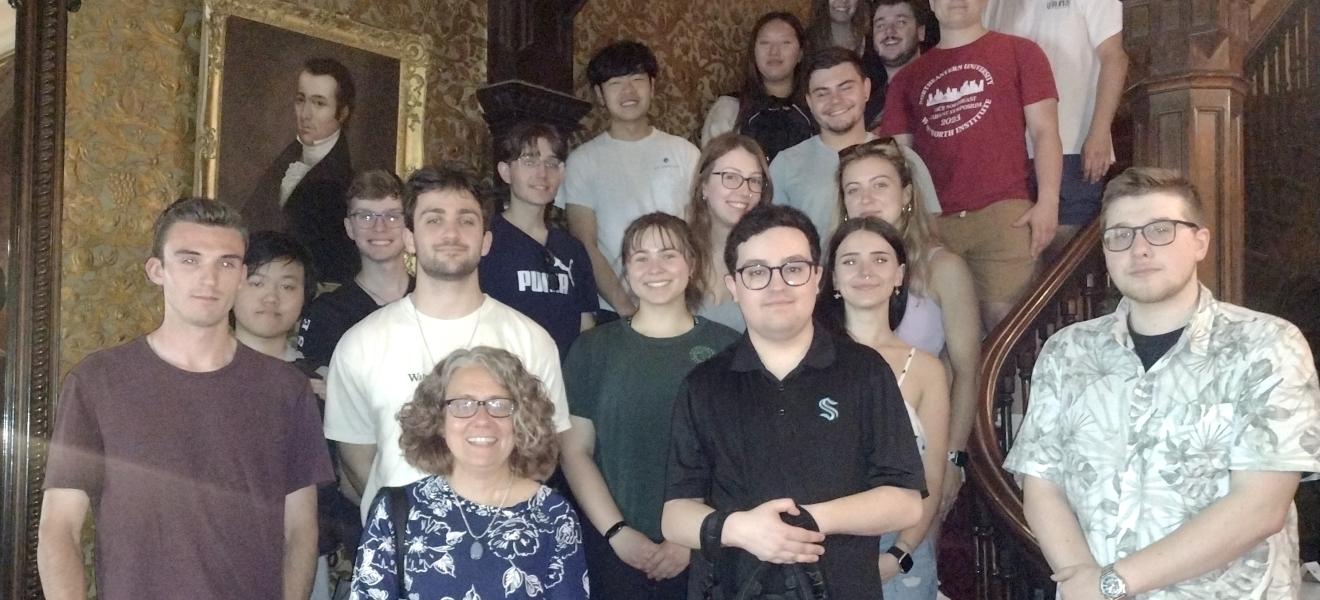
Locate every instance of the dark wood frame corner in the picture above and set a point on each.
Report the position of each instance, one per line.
(32, 357)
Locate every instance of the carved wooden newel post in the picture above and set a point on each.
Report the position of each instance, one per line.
(1187, 99)
(530, 66)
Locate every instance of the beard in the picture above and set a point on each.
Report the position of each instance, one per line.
(442, 269)
(902, 59)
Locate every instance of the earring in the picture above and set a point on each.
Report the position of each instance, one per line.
(897, 289)
(907, 208)
(837, 295)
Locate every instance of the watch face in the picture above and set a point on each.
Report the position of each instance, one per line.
(1111, 585)
(905, 564)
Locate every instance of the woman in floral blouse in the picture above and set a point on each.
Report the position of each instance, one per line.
(482, 527)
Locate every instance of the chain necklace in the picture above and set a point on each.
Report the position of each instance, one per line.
(417, 318)
(476, 549)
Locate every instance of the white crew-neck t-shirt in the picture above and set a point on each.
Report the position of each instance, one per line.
(378, 363)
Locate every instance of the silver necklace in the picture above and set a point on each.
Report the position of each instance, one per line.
(417, 318)
(476, 549)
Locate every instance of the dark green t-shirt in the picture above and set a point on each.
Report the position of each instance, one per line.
(625, 383)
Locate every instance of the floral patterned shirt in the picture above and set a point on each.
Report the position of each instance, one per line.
(534, 549)
(1139, 453)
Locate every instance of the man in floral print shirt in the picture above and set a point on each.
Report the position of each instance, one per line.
(1163, 443)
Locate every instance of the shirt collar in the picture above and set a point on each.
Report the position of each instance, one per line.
(1194, 332)
(820, 354)
(313, 153)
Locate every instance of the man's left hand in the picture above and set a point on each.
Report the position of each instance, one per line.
(1097, 155)
(1043, 218)
(1079, 582)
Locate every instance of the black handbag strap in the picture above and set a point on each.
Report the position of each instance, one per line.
(398, 506)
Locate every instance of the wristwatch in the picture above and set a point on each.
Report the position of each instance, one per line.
(904, 559)
(958, 458)
(1112, 585)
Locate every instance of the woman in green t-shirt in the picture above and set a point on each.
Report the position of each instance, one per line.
(622, 378)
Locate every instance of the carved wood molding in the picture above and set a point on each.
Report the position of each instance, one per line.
(33, 282)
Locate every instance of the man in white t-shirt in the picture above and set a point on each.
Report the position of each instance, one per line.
(1089, 76)
(805, 176)
(629, 170)
(378, 363)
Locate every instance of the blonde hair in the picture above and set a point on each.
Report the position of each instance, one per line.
(913, 222)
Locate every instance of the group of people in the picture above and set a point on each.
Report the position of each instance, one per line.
(741, 371)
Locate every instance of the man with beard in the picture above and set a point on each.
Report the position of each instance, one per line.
(1165, 441)
(898, 31)
(804, 175)
(379, 362)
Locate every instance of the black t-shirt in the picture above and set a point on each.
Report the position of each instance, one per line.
(835, 426)
(329, 316)
(776, 124)
(1150, 348)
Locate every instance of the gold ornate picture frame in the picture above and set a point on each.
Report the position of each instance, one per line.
(244, 45)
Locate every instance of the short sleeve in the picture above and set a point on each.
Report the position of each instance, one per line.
(922, 181)
(348, 415)
(1035, 78)
(375, 567)
(579, 380)
(895, 120)
(1278, 409)
(892, 458)
(721, 118)
(577, 187)
(1104, 19)
(568, 565)
(779, 175)
(318, 334)
(1038, 451)
(77, 452)
(544, 359)
(306, 451)
(689, 472)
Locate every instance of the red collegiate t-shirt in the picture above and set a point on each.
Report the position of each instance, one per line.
(964, 109)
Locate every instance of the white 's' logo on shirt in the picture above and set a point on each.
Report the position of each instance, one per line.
(827, 409)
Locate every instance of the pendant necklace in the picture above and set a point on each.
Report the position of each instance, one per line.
(417, 318)
(476, 549)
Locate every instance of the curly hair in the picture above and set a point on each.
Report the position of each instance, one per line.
(535, 444)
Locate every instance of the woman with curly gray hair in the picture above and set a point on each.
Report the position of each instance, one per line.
(482, 525)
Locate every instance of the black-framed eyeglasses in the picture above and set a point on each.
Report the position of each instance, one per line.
(1157, 233)
(533, 161)
(733, 181)
(367, 219)
(466, 408)
(793, 272)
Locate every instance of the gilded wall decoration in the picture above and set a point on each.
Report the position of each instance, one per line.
(700, 46)
(130, 132)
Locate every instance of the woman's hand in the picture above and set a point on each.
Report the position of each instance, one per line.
(634, 549)
(669, 561)
(888, 566)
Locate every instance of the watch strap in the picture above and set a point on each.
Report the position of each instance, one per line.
(1112, 585)
(958, 458)
(904, 559)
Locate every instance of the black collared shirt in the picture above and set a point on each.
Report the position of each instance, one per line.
(835, 426)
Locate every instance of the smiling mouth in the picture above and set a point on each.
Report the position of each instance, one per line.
(481, 440)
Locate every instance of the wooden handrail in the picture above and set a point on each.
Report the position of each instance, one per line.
(1002, 493)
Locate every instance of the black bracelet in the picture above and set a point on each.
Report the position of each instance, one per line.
(615, 529)
(712, 535)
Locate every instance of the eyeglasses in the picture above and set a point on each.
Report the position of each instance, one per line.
(532, 161)
(734, 181)
(793, 272)
(1157, 233)
(367, 219)
(466, 408)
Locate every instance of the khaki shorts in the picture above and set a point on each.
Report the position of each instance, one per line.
(998, 254)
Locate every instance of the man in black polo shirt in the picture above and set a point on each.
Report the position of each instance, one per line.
(789, 425)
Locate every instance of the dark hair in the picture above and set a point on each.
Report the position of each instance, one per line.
(819, 35)
(1139, 181)
(524, 135)
(202, 211)
(374, 184)
(345, 91)
(753, 88)
(766, 216)
(829, 309)
(676, 231)
(828, 58)
(451, 176)
(620, 59)
(535, 445)
(265, 247)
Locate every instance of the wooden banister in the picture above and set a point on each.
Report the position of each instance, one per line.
(1007, 357)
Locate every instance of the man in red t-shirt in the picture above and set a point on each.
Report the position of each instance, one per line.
(965, 106)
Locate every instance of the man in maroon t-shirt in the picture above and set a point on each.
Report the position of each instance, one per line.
(965, 106)
(198, 457)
